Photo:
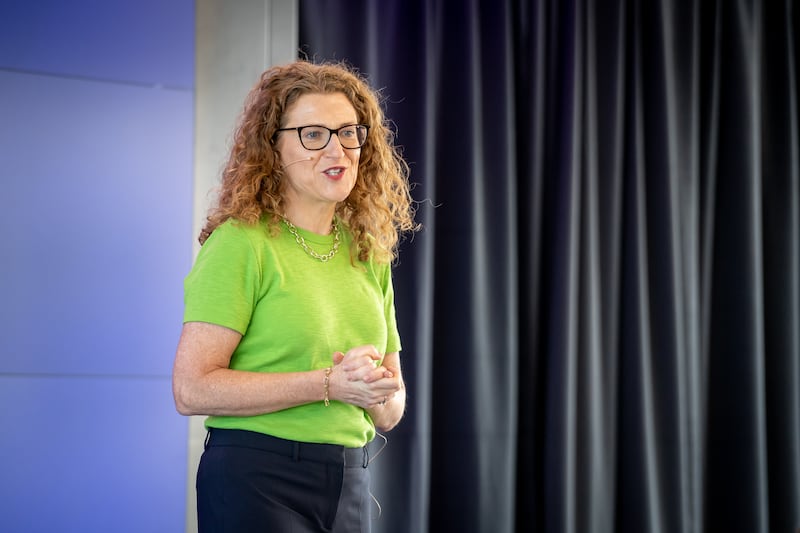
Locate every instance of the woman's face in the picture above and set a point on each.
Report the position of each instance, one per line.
(318, 179)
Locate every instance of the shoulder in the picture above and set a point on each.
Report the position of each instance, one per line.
(234, 242)
(233, 229)
(235, 234)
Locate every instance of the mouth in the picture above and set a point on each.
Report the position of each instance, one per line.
(334, 172)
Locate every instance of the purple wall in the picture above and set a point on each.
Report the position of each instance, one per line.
(96, 110)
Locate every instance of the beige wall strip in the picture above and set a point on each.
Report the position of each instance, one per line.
(235, 42)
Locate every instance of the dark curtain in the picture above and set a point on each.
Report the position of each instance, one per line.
(601, 318)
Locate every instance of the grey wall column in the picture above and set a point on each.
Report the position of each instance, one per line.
(235, 43)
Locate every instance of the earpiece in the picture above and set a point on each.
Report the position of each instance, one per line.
(298, 161)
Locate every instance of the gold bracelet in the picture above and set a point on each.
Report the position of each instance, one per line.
(326, 383)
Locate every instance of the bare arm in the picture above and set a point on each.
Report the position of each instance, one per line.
(203, 383)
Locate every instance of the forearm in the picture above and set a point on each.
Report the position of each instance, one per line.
(387, 416)
(227, 392)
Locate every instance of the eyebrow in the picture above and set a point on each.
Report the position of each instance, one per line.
(341, 125)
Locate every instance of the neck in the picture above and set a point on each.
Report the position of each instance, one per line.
(319, 222)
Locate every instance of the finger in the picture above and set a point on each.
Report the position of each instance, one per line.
(376, 374)
(361, 362)
(386, 399)
(366, 350)
(366, 373)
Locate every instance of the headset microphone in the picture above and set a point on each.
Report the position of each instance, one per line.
(297, 161)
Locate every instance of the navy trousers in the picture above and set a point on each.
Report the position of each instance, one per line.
(249, 482)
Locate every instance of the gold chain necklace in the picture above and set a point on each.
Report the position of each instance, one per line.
(302, 242)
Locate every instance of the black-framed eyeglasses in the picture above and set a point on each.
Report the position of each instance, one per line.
(316, 137)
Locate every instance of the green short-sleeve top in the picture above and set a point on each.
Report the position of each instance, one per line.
(293, 312)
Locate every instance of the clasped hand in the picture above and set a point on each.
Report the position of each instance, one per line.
(358, 378)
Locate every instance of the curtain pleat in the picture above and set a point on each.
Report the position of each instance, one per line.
(528, 29)
(780, 206)
(601, 318)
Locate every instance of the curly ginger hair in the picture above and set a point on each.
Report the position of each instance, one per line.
(378, 209)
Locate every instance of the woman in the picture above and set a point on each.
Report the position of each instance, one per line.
(289, 342)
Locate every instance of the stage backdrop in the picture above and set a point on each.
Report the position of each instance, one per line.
(601, 318)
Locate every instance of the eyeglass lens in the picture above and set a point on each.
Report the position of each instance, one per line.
(317, 137)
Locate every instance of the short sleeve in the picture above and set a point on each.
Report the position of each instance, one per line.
(393, 336)
(223, 285)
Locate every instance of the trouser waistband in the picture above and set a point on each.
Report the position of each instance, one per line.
(298, 451)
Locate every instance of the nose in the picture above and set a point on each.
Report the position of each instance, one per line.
(334, 147)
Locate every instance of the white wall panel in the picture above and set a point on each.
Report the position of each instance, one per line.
(96, 217)
(96, 148)
(91, 455)
(146, 41)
